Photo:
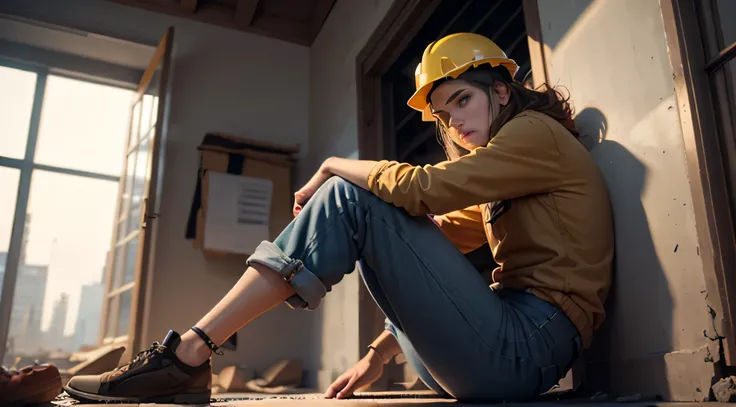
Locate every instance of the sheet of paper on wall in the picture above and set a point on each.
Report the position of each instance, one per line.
(238, 212)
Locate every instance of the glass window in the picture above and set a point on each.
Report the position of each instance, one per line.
(17, 90)
(60, 287)
(131, 253)
(139, 185)
(9, 178)
(83, 126)
(112, 305)
(126, 300)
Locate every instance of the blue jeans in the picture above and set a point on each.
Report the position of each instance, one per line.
(464, 340)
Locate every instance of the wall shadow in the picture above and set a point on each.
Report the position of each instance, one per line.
(564, 21)
(627, 355)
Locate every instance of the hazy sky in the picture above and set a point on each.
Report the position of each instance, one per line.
(83, 126)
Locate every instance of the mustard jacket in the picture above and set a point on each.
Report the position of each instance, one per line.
(535, 195)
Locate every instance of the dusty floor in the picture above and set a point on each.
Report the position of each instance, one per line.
(413, 399)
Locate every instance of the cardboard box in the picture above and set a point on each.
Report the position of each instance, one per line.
(244, 194)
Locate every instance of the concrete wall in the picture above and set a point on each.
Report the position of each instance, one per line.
(612, 57)
(333, 131)
(223, 80)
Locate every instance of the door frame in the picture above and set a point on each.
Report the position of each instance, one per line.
(402, 21)
(696, 112)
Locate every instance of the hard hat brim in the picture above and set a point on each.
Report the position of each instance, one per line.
(418, 101)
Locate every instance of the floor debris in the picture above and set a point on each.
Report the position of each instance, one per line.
(725, 390)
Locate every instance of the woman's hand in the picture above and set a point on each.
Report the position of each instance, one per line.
(354, 171)
(303, 195)
(366, 371)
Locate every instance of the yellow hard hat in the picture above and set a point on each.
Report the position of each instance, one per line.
(450, 56)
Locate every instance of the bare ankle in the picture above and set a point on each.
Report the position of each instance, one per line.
(192, 350)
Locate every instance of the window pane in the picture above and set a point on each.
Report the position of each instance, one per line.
(112, 306)
(146, 116)
(727, 15)
(124, 312)
(9, 178)
(135, 126)
(134, 220)
(139, 185)
(154, 115)
(17, 89)
(83, 126)
(117, 267)
(8, 183)
(131, 251)
(152, 95)
(67, 238)
(129, 177)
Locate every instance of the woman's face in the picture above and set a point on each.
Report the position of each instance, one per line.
(464, 110)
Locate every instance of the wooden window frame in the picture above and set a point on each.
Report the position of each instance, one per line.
(150, 201)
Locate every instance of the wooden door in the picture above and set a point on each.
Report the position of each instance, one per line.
(129, 255)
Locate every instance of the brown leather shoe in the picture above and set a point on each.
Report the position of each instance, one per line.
(30, 385)
(155, 375)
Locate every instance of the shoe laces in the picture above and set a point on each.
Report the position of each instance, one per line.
(141, 358)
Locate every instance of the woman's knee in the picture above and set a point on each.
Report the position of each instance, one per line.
(342, 185)
(338, 188)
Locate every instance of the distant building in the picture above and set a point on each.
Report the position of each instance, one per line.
(28, 299)
(25, 317)
(54, 337)
(87, 327)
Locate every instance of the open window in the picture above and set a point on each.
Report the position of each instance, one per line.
(65, 122)
(129, 257)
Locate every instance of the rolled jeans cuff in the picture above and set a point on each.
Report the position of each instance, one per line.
(308, 287)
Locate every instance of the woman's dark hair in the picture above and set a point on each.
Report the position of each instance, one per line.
(545, 100)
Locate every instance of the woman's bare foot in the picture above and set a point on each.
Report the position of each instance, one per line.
(192, 350)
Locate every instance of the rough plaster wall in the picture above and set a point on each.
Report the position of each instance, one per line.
(223, 80)
(333, 131)
(612, 57)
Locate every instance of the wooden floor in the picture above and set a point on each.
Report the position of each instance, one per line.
(397, 399)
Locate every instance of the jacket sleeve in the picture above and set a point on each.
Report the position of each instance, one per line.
(522, 159)
(464, 228)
